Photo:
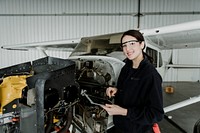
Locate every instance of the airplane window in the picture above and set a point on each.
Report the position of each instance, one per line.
(153, 53)
(160, 60)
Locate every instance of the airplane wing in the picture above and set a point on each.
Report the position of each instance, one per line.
(67, 45)
(178, 36)
(184, 35)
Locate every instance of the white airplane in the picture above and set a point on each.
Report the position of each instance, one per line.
(99, 59)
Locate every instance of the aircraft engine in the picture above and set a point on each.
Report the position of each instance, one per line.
(52, 95)
(93, 76)
(38, 97)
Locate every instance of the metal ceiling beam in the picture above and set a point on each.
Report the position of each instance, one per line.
(135, 14)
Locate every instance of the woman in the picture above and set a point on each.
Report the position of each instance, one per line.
(138, 96)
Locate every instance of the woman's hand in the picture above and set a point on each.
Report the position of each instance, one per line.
(110, 91)
(114, 109)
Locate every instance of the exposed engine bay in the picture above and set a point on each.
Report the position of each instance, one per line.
(94, 74)
(53, 95)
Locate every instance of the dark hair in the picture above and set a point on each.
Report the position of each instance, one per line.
(138, 35)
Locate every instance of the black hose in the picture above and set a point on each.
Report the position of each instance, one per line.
(68, 121)
(49, 123)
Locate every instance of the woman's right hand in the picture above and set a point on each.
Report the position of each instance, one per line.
(110, 91)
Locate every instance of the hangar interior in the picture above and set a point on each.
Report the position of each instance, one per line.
(25, 22)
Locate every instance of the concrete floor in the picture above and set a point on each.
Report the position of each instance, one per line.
(185, 117)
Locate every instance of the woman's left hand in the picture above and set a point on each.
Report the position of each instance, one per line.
(114, 109)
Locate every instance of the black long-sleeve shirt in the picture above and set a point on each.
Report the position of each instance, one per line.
(139, 91)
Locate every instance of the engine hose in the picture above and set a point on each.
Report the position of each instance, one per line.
(49, 123)
(68, 121)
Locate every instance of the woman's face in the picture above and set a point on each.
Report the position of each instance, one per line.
(131, 47)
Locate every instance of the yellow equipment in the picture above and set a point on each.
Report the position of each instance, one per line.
(11, 88)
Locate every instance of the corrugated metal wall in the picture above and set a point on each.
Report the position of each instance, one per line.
(28, 21)
(166, 12)
(41, 20)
